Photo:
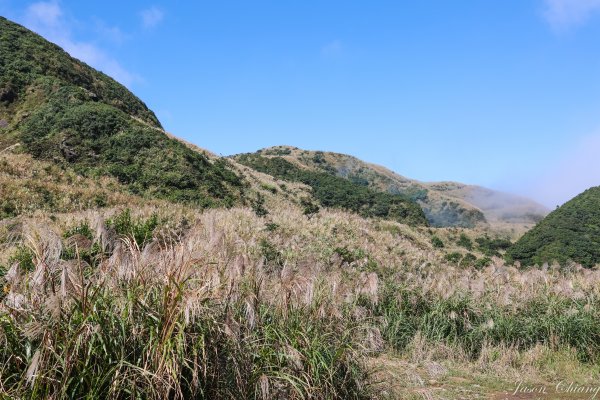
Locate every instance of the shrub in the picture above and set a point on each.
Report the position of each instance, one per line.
(23, 255)
(83, 228)
(465, 242)
(269, 188)
(483, 262)
(271, 255)
(468, 260)
(258, 206)
(349, 256)
(437, 242)
(309, 207)
(271, 226)
(140, 230)
(453, 257)
(492, 247)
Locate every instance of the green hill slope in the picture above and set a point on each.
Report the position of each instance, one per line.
(571, 232)
(58, 109)
(445, 204)
(337, 192)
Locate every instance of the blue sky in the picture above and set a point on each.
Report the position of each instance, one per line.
(505, 94)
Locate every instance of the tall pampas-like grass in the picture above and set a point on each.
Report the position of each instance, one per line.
(224, 304)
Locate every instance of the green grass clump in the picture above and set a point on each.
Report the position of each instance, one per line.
(465, 241)
(83, 228)
(482, 262)
(492, 247)
(24, 257)
(258, 206)
(140, 230)
(453, 257)
(272, 256)
(309, 208)
(349, 256)
(437, 242)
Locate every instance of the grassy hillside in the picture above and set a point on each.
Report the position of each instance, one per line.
(570, 233)
(61, 110)
(333, 191)
(445, 204)
(448, 212)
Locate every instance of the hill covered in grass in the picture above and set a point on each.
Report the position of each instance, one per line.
(58, 109)
(569, 233)
(445, 204)
(336, 192)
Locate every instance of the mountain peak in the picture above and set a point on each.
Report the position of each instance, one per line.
(60, 110)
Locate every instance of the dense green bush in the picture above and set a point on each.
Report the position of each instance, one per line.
(492, 247)
(334, 191)
(82, 228)
(349, 256)
(468, 260)
(570, 233)
(271, 226)
(453, 214)
(309, 208)
(483, 262)
(272, 256)
(453, 257)
(258, 206)
(140, 230)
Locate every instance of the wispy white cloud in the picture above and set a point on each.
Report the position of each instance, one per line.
(565, 14)
(152, 16)
(332, 49)
(570, 175)
(48, 19)
(112, 34)
(47, 14)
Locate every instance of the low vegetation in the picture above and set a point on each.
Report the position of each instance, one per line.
(226, 304)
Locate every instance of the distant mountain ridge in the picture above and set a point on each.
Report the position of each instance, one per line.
(444, 203)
